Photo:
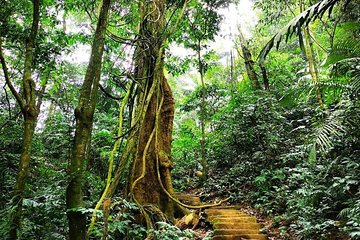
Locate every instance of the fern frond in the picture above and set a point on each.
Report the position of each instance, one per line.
(347, 44)
(294, 26)
(345, 213)
(351, 68)
(332, 127)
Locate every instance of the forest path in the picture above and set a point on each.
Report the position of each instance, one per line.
(229, 223)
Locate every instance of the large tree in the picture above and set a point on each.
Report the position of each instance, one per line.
(29, 101)
(84, 113)
(150, 178)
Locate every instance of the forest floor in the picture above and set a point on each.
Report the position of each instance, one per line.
(269, 228)
(272, 229)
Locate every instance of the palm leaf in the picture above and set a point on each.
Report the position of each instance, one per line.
(294, 26)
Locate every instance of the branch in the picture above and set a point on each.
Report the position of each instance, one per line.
(7, 99)
(8, 121)
(108, 94)
(41, 93)
(7, 79)
(315, 41)
(179, 19)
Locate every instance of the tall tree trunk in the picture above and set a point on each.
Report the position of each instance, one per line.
(30, 110)
(309, 51)
(202, 116)
(249, 63)
(150, 179)
(84, 113)
(232, 68)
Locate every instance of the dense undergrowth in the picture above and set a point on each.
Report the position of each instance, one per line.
(268, 153)
(296, 161)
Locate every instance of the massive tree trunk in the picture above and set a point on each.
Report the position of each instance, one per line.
(84, 120)
(30, 109)
(150, 179)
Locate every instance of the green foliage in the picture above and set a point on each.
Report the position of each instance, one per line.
(276, 150)
(167, 231)
(121, 222)
(294, 26)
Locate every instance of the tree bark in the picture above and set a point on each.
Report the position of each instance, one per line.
(30, 109)
(309, 51)
(249, 63)
(265, 77)
(84, 119)
(202, 116)
(150, 177)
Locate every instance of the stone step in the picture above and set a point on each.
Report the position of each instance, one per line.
(233, 215)
(240, 237)
(237, 207)
(216, 210)
(188, 199)
(231, 224)
(238, 225)
(235, 231)
(224, 212)
(221, 219)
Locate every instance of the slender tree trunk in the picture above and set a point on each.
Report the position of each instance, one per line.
(265, 77)
(202, 116)
(232, 68)
(312, 66)
(249, 63)
(30, 110)
(84, 119)
(309, 51)
(29, 128)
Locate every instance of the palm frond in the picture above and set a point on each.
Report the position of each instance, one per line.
(294, 26)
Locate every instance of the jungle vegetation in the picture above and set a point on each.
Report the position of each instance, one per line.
(103, 121)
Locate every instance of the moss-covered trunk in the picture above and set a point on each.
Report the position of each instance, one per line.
(28, 132)
(309, 52)
(249, 63)
(84, 120)
(150, 176)
(30, 110)
(202, 115)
